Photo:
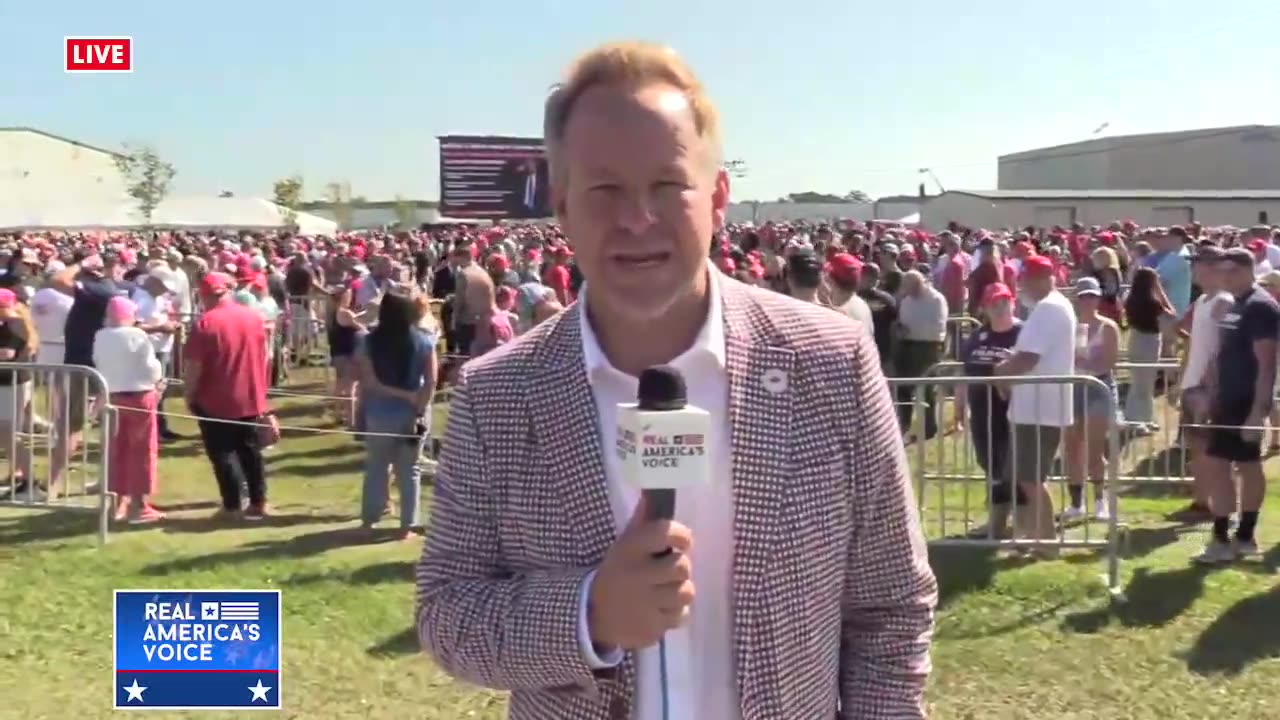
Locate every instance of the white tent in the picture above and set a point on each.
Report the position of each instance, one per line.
(191, 213)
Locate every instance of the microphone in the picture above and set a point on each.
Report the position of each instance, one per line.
(662, 441)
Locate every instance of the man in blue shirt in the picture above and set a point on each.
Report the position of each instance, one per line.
(1172, 264)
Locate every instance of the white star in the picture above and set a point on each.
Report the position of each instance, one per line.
(259, 692)
(135, 691)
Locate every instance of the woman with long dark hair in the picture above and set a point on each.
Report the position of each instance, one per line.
(1149, 313)
(397, 371)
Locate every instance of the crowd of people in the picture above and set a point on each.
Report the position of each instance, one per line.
(225, 316)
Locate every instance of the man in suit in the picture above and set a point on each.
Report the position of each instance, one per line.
(525, 182)
(814, 597)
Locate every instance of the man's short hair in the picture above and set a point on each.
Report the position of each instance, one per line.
(1207, 254)
(1238, 256)
(804, 269)
(628, 64)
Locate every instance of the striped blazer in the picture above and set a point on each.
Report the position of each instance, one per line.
(833, 597)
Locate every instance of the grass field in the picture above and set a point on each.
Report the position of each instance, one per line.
(1015, 639)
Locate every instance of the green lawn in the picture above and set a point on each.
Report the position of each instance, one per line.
(1015, 639)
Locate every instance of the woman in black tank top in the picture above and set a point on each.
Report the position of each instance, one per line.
(342, 329)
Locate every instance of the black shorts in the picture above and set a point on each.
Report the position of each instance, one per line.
(1228, 443)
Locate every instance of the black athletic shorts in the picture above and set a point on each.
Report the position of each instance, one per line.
(1228, 443)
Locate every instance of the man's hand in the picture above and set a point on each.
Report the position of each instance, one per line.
(7, 354)
(635, 596)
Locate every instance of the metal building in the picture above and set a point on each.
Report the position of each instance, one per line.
(38, 168)
(996, 209)
(1245, 157)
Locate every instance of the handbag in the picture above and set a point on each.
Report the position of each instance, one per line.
(268, 430)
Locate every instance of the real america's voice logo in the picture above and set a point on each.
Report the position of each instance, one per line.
(196, 649)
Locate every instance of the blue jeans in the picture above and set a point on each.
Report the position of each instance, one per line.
(401, 456)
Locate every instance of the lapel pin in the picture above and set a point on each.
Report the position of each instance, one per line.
(774, 380)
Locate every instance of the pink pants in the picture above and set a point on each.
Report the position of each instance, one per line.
(134, 445)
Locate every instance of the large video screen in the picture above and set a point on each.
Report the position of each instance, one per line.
(493, 177)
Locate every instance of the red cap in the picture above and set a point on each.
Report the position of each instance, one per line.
(498, 263)
(1037, 266)
(844, 267)
(726, 265)
(1257, 244)
(7, 299)
(996, 291)
(562, 251)
(215, 283)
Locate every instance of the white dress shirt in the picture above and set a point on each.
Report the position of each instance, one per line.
(701, 675)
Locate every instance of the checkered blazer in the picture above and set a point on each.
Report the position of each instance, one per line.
(833, 596)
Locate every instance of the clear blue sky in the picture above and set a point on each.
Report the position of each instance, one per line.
(827, 95)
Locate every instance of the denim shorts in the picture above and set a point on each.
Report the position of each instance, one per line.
(1090, 400)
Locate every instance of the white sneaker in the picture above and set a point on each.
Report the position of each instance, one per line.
(1071, 514)
(1101, 511)
(1217, 553)
(1246, 548)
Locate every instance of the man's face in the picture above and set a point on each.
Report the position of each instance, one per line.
(637, 198)
(1235, 277)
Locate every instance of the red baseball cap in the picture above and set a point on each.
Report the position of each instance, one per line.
(498, 263)
(996, 291)
(1037, 266)
(844, 267)
(215, 283)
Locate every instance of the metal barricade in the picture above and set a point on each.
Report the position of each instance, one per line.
(1152, 447)
(55, 433)
(961, 472)
(958, 329)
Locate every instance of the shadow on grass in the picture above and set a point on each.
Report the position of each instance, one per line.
(301, 546)
(47, 526)
(330, 469)
(324, 452)
(301, 411)
(209, 505)
(189, 448)
(381, 573)
(1242, 635)
(404, 642)
(1152, 600)
(961, 570)
(209, 523)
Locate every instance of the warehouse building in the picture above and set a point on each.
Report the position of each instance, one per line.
(994, 209)
(1245, 157)
(38, 168)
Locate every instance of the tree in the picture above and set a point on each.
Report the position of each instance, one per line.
(287, 193)
(406, 213)
(811, 196)
(146, 177)
(339, 196)
(857, 196)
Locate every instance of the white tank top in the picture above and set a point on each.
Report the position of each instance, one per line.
(1204, 339)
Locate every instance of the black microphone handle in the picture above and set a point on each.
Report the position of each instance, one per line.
(661, 504)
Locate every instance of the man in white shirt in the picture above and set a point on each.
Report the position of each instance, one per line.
(49, 309)
(1039, 412)
(1192, 397)
(845, 272)
(157, 316)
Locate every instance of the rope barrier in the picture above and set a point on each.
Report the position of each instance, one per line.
(281, 428)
